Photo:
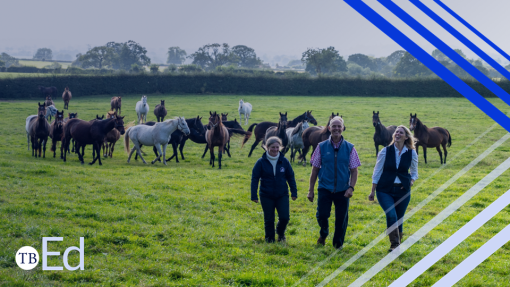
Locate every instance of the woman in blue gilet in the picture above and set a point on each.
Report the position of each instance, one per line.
(392, 181)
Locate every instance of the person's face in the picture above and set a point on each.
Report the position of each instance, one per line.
(274, 149)
(400, 135)
(336, 128)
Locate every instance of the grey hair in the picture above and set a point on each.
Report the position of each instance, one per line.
(273, 140)
(337, 118)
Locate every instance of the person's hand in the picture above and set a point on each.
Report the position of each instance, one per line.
(348, 192)
(412, 182)
(255, 200)
(310, 196)
(371, 196)
(294, 198)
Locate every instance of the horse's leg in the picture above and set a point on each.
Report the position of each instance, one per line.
(164, 153)
(438, 148)
(253, 146)
(425, 153)
(44, 147)
(95, 153)
(158, 147)
(181, 147)
(136, 155)
(211, 160)
(445, 152)
(227, 148)
(131, 153)
(174, 148)
(112, 147)
(220, 154)
(139, 151)
(155, 150)
(376, 150)
(205, 150)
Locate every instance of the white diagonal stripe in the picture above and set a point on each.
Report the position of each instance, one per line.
(432, 223)
(454, 240)
(475, 259)
(417, 208)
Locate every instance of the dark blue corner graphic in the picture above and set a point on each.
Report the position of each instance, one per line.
(430, 62)
(461, 38)
(472, 29)
(454, 56)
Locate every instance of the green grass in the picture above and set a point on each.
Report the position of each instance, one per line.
(41, 64)
(188, 224)
(18, 75)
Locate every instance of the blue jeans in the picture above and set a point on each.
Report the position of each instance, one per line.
(326, 199)
(268, 206)
(387, 202)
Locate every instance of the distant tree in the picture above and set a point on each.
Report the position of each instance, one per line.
(176, 56)
(211, 56)
(97, 57)
(438, 55)
(8, 60)
(127, 54)
(409, 66)
(362, 60)
(327, 61)
(43, 54)
(2, 64)
(245, 57)
(190, 68)
(394, 57)
(294, 63)
(154, 68)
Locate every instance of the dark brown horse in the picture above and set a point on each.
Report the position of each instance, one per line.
(216, 136)
(39, 130)
(160, 111)
(261, 128)
(279, 131)
(84, 133)
(66, 97)
(224, 117)
(47, 91)
(111, 138)
(49, 102)
(430, 137)
(383, 135)
(56, 130)
(69, 116)
(116, 104)
(312, 136)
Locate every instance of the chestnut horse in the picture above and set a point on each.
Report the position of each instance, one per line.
(383, 135)
(312, 136)
(39, 130)
(160, 111)
(261, 128)
(56, 130)
(66, 97)
(116, 104)
(430, 137)
(110, 139)
(217, 136)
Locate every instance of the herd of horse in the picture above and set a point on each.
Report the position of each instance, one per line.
(297, 135)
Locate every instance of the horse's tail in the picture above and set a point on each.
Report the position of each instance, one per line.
(449, 138)
(126, 141)
(240, 132)
(248, 135)
(28, 141)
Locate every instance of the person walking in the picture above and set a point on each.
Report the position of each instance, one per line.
(335, 161)
(392, 181)
(275, 174)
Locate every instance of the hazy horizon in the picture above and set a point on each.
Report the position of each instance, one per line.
(283, 28)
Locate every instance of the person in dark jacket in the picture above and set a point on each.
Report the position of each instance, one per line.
(274, 172)
(392, 181)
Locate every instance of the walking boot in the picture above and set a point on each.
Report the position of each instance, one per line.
(401, 237)
(394, 240)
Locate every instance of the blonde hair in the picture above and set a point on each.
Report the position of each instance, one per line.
(273, 140)
(337, 118)
(409, 142)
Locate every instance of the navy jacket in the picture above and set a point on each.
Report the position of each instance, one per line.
(271, 185)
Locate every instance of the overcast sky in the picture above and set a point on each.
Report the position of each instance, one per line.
(272, 28)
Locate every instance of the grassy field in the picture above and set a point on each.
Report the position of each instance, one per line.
(19, 75)
(41, 64)
(188, 224)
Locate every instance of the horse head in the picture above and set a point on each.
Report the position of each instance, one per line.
(110, 114)
(41, 112)
(224, 117)
(375, 118)
(144, 100)
(162, 103)
(67, 89)
(198, 126)
(119, 123)
(183, 126)
(311, 118)
(59, 119)
(214, 119)
(72, 115)
(282, 123)
(99, 117)
(413, 121)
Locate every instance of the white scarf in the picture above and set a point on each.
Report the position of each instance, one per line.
(273, 160)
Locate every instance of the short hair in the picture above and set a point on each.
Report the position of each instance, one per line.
(409, 143)
(273, 140)
(337, 118)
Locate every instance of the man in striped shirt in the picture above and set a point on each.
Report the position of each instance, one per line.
(335, 161)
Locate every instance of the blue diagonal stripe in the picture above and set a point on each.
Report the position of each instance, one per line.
(472, 29)
(431, 63)
(454, 56)
(461, 38)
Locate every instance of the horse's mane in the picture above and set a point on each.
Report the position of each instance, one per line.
(325, 130)
(297, 129)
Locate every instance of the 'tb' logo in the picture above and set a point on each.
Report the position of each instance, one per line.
(27, 258)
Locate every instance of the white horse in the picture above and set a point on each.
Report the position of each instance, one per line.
(156, 135)
(295, 139)
(244, 109)
(142, 108)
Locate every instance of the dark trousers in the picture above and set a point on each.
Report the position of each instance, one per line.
(268, 206)
(394, 212)
(326, 199)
